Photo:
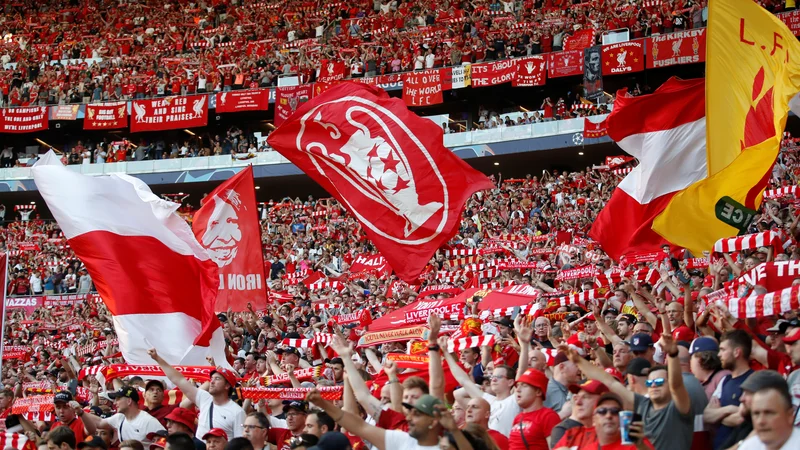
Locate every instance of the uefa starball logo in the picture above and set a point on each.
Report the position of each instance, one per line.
(377, 160)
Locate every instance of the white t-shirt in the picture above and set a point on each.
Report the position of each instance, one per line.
(503, 413)
(400, 440)
(754, 443)
(230, 416)
(136, 429)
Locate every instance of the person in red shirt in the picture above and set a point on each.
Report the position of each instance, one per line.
(67, 417)
(532, 427)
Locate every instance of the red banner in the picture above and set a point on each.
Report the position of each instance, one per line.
(249, 100)
(422, 88)
(169, 113)
(595, 130)
(531, 71)
(106, 116)
(792, 20)
(227, 227)
(64, 112)
(365, 263)
(23, 120)
(493, 73)
(288, 99)
(685, 47)
(331, 71)
(579, 40)
(623, 57)
(565, 64)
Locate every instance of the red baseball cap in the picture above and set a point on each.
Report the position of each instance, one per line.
(184, 416)
(589, 386)
(536, 379)
(228, 375)
(792, 336)
(218, 432)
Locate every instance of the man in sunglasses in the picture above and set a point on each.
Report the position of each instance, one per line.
(606, 424)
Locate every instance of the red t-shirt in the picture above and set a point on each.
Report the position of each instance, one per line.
(499, 438)
(76, 426)
(536, 427)
(280, 437)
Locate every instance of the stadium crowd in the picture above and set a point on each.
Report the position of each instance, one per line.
(101, 50)
(647, 358)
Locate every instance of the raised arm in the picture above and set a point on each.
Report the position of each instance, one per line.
(349, 421)
(187, 387)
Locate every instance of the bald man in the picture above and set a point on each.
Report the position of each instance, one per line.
(478, 412)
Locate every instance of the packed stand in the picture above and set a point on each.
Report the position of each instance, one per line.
(109, 51)
(637, 351)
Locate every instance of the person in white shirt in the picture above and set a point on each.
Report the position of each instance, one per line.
(217, 410)
(772, 414)
(36, 283)
(130, 422)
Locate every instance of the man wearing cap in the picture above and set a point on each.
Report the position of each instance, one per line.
(577, 429)
(705, 364)
(129, 421)
(215, 439)
(182, 420)
(426, 418)
(742, 421)
(296, 412)
(565, 373)
(65, 413)
(217, 410)
(154, 401)
(532, 427)
(792, 343)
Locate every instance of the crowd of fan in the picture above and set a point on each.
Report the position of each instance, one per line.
(692, 375)
(107, 51)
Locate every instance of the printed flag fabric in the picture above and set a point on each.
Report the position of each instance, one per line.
(106, 116)
(752, 74)
(665, 130)
(386, 165)
(169, 113)
(226, 225)
(152, 274)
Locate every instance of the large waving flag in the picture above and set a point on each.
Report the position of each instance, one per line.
(227, 227)
(386, 165)
(154, 277)
(752, 72)
(666, 131)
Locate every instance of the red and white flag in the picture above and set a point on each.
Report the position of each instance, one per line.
(666, 131)
(157, 281)
(226, 225)
(386, 165)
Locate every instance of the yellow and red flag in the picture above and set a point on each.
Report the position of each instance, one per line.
(752, 72)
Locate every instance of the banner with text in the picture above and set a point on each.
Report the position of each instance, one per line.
(423, 88)
(494, 73)
(249, 100)
(106, 116)
(169, 113)
(288, 99)
(623, 57)
(685, 47)
(23, 120)
(531, 71)
(565, 64)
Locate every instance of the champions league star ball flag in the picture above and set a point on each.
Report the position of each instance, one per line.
(386, 165)
(226, 225)
(156, 280)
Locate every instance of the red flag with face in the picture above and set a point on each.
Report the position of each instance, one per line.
(386, 165)
(227, 227)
